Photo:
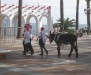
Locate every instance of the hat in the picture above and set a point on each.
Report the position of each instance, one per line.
(26, 25)
(42, 28)
(29, 25)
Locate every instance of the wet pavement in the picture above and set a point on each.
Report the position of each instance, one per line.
(18, 64)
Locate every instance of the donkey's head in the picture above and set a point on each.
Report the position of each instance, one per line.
(51, 37)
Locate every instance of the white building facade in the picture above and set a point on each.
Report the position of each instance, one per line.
(37, 12)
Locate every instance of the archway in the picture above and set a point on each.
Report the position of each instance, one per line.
(33, 23)
(31, 19)
(44, 23)
(15, 24)
(5, 25)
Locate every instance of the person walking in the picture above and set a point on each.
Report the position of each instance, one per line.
(31, 37)
(42, 39)
(27, 41)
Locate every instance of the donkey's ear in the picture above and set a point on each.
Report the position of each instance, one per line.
(53, 32)
(50, 32)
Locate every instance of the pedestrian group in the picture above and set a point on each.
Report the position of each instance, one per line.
(28, 38)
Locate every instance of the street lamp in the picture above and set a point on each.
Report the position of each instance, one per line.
(87, 11)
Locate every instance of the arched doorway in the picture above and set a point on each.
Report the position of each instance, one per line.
(44, 23)
(34, 22)
(15, 24)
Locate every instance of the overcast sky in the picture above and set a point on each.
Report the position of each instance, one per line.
(69, 8)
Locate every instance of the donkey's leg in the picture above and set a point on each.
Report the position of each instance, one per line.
(70, 51)
(58, 48)
(76, 50)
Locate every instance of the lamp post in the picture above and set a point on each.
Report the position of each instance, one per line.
(87, 11)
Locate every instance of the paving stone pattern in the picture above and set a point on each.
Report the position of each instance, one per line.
(51, 64)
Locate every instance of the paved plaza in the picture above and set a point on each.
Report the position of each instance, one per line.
(17, 64)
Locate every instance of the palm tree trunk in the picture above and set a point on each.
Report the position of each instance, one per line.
(77, 15)
(0, 18)
(19, 18)
(61, 15)
(88, 16)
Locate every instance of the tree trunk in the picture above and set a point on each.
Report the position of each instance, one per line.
(61, 15)
(77, 15)
(88, 16)
(19, 18)
(0, 19)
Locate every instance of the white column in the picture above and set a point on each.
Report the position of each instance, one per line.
(50, 26)
(41, 23)
(10, 22)
(37, 27)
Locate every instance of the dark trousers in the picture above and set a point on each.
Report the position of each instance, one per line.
(28, 47)
(42, 46)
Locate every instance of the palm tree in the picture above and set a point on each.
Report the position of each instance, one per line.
(62, 15)
(88, 15)
(77, 15)
(67, 23)
(0, 18)
(19, 18)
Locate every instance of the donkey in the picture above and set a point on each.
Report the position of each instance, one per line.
(65, 38)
